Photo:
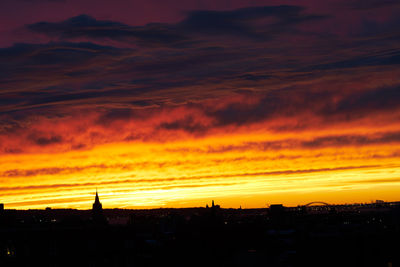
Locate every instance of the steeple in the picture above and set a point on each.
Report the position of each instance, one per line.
(97, 211)
(97, 205)
(97, 200)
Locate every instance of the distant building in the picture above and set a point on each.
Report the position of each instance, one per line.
(276, 208)
(215, 210)
(97, 206)
(277, 212)
(1, 207)
(97, 211)
(213, 206)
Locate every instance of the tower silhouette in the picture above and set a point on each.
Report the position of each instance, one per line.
(97, 211)
(97, 207)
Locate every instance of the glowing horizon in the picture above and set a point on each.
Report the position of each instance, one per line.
(186, 176)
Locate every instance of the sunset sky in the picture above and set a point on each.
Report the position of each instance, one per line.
(173, 103)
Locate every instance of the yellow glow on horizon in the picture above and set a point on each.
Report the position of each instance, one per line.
(232, 169)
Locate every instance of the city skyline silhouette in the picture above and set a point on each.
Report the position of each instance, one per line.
(235, 133)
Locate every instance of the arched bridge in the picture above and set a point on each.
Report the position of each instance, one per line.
(316, 202)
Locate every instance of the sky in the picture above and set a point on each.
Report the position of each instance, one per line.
(174, 103)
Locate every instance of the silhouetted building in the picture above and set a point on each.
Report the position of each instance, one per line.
(213, 206)
(97, 211)
(1, 207)
(214, 212)
(277, 214)
(276, 209)
(97, 207)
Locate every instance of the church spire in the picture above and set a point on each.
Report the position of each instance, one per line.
(97, 211)
(97, 204)
(97, 200)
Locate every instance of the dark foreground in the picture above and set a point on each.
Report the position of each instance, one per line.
(354, 235)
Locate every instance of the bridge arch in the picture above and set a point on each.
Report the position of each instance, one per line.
(316, 202)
